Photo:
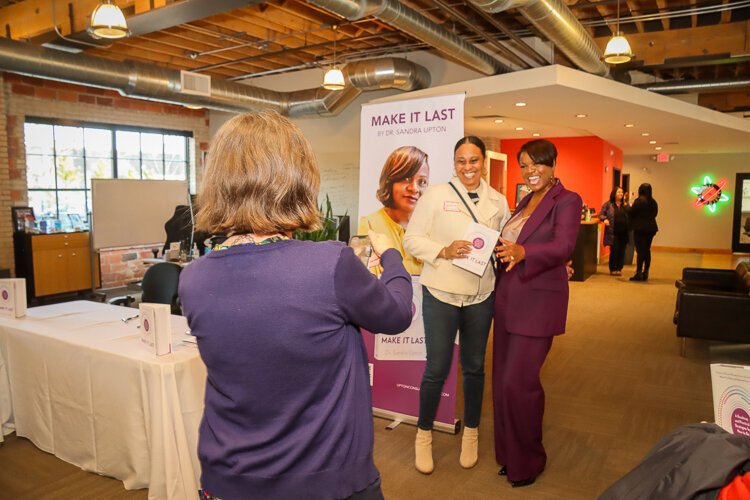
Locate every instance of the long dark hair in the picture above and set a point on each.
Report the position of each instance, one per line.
(645, 191)
(613, 195)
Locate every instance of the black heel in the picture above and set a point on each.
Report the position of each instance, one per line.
(503, 471)
(523, 482)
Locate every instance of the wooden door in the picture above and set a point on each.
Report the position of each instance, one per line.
(50, 273)
(79, 269)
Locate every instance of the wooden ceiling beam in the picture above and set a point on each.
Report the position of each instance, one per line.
(154, 57)
(662, 5)
(726, 15)
(34, 17)
(182, 45)
(654, 48)
(353, 29)
(263, 35)
(726, 101)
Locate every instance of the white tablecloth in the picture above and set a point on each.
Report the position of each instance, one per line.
(84, 387)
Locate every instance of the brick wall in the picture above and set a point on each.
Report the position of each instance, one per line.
(119, 268)
(6, 228)
(24, 96)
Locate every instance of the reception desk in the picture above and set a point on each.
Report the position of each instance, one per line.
(585, 255)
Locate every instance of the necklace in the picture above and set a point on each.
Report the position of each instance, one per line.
(250, 239)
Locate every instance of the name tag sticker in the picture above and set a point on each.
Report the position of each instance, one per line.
(451, 206)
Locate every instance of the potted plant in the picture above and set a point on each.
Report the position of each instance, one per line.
(330, 228)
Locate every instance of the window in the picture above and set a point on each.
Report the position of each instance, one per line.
(61, 160)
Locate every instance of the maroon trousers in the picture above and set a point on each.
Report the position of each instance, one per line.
(519, 400)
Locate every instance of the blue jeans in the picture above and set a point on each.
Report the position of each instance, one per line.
(441, 321)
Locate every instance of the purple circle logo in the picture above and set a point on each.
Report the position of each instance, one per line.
(145, 324)
(5, 295)
(740, 422)
(478, 243)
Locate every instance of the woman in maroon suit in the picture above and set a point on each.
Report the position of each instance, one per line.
(531, 305)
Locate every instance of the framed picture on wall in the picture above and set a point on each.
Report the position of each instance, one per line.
(20, 216)
(521, 191)
(741, 223)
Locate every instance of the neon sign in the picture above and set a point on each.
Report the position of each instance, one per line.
(710, 193)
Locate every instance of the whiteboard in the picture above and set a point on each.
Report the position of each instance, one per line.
(130, 212)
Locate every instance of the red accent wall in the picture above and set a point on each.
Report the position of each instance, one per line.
(584, 165)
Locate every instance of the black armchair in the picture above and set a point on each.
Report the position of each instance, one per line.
(714, 304)
(159, 285)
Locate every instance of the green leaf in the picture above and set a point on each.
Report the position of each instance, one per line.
(330, 228)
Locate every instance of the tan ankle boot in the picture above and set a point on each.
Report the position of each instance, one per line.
(469, 447)
(423, 452)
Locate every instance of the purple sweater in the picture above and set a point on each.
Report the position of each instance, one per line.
(288, 408)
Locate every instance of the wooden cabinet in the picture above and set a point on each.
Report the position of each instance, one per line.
(53, 263)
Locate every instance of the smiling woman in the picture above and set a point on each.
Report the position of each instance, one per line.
(454, 299)
(405, 175)
(531, 304)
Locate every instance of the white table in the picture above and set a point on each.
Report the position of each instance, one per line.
(85, 388)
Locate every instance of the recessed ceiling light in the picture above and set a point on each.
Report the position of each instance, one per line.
(629, 125)
(520, 104)
(499, 120)
(652, 142)
(658, 148)
(536, 134)
(519, 128)
(645, 134)
(581, 115)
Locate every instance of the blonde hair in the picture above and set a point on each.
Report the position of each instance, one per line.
(261, 177)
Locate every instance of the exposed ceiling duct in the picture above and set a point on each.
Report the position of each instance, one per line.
(415, 24)
(184, 11)
(554, 19)
(155, 83)
(703, 86)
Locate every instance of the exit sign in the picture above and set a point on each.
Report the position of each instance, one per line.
(662, 158)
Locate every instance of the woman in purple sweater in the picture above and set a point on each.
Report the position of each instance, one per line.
(287, 409)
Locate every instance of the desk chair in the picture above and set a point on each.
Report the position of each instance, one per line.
(159, 286)
(179, 228)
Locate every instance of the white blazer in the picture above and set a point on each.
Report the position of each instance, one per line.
(439, 219)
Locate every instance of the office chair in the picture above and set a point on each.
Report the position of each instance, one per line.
(179, 228)
(159, 286)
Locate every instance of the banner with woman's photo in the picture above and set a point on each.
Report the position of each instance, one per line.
(404, 147)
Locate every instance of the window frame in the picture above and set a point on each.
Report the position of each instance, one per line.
(190, 162)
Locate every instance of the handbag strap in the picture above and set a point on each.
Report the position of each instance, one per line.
(460, 196)
(471, 212)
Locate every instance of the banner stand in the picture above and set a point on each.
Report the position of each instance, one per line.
(400, 418)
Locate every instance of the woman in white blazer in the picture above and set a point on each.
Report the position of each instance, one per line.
(454, 299)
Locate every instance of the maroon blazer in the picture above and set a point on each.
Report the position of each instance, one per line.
(536, 290)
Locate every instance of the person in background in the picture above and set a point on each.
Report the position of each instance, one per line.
(614, 215)
(643, 223)
(405, 176)
(531, 305)
(287, 406)
(454, 299)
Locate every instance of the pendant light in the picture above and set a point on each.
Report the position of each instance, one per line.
(618, 49)
(108, 21)
(334, 78)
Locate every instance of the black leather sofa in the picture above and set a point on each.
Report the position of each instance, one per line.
(713, 304)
